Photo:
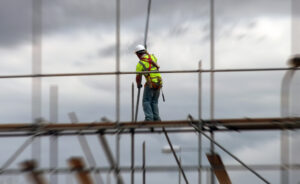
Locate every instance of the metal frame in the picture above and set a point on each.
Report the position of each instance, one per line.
(33, 130)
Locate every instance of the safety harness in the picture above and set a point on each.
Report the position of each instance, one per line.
(152, 64)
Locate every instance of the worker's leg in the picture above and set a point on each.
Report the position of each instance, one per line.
(154, 104)
(147, 97)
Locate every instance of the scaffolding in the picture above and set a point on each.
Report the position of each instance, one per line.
(85, 172)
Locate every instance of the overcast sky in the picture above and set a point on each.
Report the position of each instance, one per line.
(79, 36)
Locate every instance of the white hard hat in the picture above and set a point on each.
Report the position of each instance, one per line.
(139, 48)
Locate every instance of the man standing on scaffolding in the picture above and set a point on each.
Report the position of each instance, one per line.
(153, 83)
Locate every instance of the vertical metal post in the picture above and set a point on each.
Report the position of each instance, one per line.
(285, 112)
(208, 178)
(132, 134)
(36, 69)
(295, 49)
(118, 61)
(284, 157)
(54, 138)
(118, 84)
(132, 157)
(295, 27)
(200, 124)
(212, 59)
(108, 179)
(132, 102)
(144, 163)
(147, 23)
(212, 76)
(53, 104)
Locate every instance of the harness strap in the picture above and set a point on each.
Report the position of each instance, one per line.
(143, 65)
(149, 61)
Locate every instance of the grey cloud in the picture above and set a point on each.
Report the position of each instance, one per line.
(107, 51)
(238, 10)
(15, 22)
(179, 30)
(126, 47)
(67, 15)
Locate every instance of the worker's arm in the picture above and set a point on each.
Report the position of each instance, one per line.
(138, 80)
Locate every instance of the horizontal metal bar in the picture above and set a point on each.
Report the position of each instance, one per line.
(145, 72)
(173, 168)
(218, 124)
(93, 132)
(112, 132)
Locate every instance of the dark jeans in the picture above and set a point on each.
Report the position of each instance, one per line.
(150, 104)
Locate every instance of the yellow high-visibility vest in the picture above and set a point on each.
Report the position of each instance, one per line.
(144, 65)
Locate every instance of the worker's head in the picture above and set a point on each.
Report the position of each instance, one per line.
(140, 50)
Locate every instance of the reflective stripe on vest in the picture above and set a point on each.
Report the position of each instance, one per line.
(145, 68)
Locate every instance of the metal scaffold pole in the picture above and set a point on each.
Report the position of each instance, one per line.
(144, 162)
(132, 134)
(36, 70)
(200, 124)
(37, 128)
(212, 76)
(54, 138)
(118, 12)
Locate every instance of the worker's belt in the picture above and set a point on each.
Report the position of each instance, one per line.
(154, 85)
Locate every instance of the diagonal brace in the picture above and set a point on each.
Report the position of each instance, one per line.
(226, 151)
(86, 149)
(18, 152)
(110, 158)
(175, 156)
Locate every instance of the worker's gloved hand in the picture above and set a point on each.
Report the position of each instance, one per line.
(139, 86)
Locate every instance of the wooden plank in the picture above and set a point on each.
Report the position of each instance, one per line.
(76, 163)
(34, 176)
(219, 168)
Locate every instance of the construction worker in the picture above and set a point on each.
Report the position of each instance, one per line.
(153, 83)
